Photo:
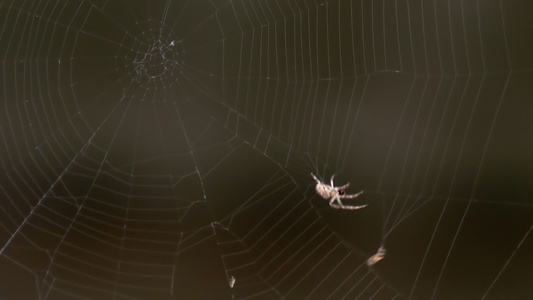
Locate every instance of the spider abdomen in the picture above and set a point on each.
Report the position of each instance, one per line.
(323, 190)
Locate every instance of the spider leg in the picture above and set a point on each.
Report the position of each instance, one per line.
(339, 204)
(345, 196)
(351, 207)
(344, 186)
(316, 179)
(333, 200)
(341, 187)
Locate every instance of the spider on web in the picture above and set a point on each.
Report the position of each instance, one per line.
(336, 193)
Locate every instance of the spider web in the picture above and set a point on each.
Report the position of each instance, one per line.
(163, 149)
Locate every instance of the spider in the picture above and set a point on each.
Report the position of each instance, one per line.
(336, 193)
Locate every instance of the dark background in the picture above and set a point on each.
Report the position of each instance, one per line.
(157, 149)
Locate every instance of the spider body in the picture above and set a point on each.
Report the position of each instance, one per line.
(335, 194)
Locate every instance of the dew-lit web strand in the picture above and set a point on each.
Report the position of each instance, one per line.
(316, 264)
(258, 223)
(31, 80)
(384, 33)
(416, 117)
(249, 77)
(294, 116)
(312, 71)
(506, 263)
(400, 121)
(368, 285)
(342, 75)
(58, 179)
(77, 296)
(506, 42)
(141, 29)
(260, 119)
(278, 71)
(165, 13)
(250, 202)
(378, 291)
(410, 142)
(342, 283)
(440, 127)
(409, 145)
(478, 173)
(42, 39)
(399, 217)
(356, 284)
(250, 63)
(329, 77)
(193, 156)
(316, 82)
(486, 145)
(341, 163)
(239, 74)
(179, 16)
(284, 218)
(293, 241)
(23, 83)
(192, 144)
(439, 172)
(81, 205)
(447, 142)
(297, 21)
(426, 83)
(426, 61)
(240, 266)
(333, 269)
(81, 262)
(82, 151)
(346, 116)
(201, 90)
(432, 109)
(301, 260)
(308, 73)
(5, 76)
(389, 154)
(224, 264)
(362, 97)
(129, 199)
(48, 192)
(260, 58)
(2, 163)
(243, 207)
(193, 235)
(93, 6)
(373, 33)
(294, 254)
(268, 81)
(398, 34)
(276, 61)
(175, 263)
